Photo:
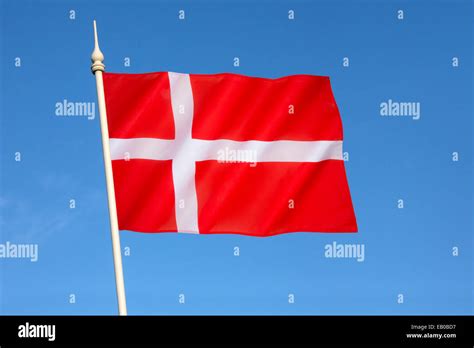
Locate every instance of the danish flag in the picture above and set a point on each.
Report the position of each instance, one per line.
(227, 153)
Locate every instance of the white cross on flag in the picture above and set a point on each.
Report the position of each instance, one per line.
(227, 153)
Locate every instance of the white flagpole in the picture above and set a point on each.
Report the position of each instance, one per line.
(97, 68)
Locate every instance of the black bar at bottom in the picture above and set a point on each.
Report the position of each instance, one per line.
(141, 330)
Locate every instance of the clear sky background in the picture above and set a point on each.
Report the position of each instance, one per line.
(408, 251)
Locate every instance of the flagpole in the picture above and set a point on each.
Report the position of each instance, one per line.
(97, 68)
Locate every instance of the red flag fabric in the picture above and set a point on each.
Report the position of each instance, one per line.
(227, 153)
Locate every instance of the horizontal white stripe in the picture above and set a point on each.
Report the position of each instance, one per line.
(199, 150)
(145, 148)
(270, 151)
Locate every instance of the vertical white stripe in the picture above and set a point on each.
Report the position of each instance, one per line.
(183, 169)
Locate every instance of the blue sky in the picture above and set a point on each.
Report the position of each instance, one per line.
(408, 251)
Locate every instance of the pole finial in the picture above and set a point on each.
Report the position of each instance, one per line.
(97, 56)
